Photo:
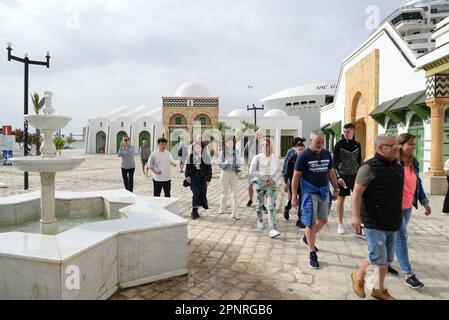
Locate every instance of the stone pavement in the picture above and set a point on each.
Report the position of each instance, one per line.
(234, 260)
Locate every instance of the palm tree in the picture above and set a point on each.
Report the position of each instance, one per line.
(37, 104)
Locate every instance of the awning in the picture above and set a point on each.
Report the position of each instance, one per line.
(335, 129)
(396, 109)
(324, 129)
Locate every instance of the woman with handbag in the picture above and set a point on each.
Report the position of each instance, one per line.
(446, 199)
(198, 174)
(265, 171)
(229, 163)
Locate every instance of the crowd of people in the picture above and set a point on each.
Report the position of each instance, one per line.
(384, 190)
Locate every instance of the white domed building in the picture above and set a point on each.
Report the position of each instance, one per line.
(274, 123)
(191, 111)
(304, 101)
(104, 133)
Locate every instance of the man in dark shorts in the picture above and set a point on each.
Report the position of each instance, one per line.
(347, 160)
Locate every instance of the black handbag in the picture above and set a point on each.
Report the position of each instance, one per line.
(186, 183)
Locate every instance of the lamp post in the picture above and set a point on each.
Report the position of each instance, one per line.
(27, 62)
(255, 109)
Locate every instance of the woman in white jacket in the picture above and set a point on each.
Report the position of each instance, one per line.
(265, 171)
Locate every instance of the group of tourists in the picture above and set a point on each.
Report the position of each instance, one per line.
(384, 190)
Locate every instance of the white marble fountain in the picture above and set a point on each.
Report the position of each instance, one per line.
(138, 240)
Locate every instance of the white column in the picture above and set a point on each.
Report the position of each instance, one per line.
(48, 218)
(278, 142)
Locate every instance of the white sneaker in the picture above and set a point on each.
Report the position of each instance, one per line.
(445, 214)
(236, 217)
(260, 225)
(274, 233)
(340, 229)
(220, 211)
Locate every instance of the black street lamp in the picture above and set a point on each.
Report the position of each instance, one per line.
(255, 109)
(27, 62)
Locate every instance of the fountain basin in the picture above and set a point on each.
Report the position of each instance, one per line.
(146, 242)
(48, 121)
(46, 165)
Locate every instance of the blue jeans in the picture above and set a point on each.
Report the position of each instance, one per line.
(380, 246)
(401, 243)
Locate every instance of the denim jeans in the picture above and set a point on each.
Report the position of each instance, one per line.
(380, 246)
(401, 243)
(270, 193)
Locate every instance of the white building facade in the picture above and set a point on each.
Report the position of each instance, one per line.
(275, 123)
(304, 102)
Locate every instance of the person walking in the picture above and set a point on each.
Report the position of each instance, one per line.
(126, 152)
(288, 178)
(159, 164)
(290, 154)
(377, 202)
(413, 192)
(446, 199)
(199, 174)
(252, 148)
(183, 154)
(314, 168)
(145, 153)
(266, 170)
(347, 160)
(229, 163)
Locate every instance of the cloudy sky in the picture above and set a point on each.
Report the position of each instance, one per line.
(109, 53)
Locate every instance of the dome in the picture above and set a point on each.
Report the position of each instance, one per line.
(191, 89)
(275, 113)
(238, 113)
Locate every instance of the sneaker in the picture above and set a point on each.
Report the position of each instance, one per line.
(236, 217)
(286, 213)
(381, 294)
(340, 229)
(300, 225)
(206, 207)
(250, 203)
(413, 282)
(445, 213)
(358, 285)
(221, 211)
(274, 233)
(260, 225)
(314, 264)
(304, 239)
(392, 271)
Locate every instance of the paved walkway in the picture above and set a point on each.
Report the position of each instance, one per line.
(233, 260)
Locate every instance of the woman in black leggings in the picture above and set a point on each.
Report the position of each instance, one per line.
(126, 152)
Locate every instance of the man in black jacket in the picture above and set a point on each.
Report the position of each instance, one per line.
(377, 203)
(347, 160)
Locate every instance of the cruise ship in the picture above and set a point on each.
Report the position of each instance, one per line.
(415, 21)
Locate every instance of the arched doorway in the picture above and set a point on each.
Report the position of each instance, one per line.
(101, 142)
(120, 136)
(416, 127)
(144, 136)
(358, 113)
(392, 128)
(446, 135)
(360, 135)
(178, 128)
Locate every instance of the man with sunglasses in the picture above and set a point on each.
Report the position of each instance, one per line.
(314, 167)
(377, 203)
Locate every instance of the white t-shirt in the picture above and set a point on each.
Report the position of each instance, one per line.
(161, 162)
